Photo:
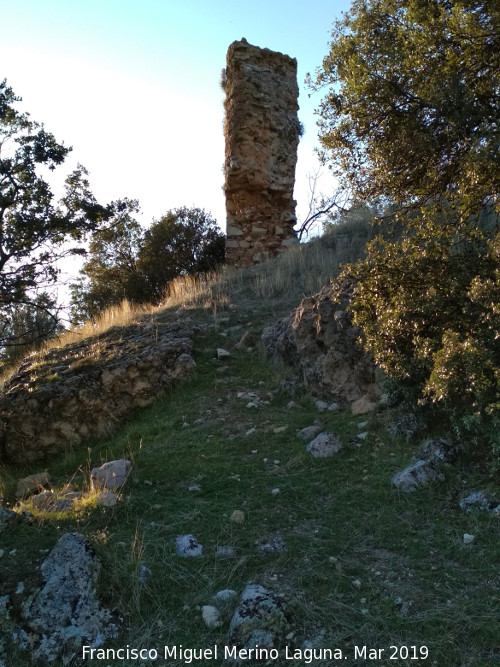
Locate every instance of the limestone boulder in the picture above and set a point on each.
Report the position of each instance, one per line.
(66, 612)
(32, 484)
(7, 517)
(419, 473)
(47, 501)
(187, 546)
(260, 614)
(111, 475)
(279, 343)
(308, 433)
(320, 340)
(427, 467)
(324, 445)
(477, 500)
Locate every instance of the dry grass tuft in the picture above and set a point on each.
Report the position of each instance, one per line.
(282, 282)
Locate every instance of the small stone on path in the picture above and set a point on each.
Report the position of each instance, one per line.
(324, 445)
(187, 546)
(111, 475)
(210, 616)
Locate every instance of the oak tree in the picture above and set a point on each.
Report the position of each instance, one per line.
(412, 109)
(411, 117)
(36, 231)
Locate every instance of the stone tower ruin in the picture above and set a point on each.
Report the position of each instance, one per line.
(262, 133)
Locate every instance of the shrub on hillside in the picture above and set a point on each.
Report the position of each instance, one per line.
(429, 308)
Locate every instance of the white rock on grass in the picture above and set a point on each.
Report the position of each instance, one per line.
(111, 475)
(260, 611)
(224, 595)
(468, 538)
(224, 551)
(211, 616)
(478, 500)
(309, 432)
(187, 546)
(362, 406)
(237, 517)
(107, 499)
(416, 475)
(222, 353)
(324, 445)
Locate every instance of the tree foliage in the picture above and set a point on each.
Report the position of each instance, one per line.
(126, 262)
(25, 325)
(413, 103)
(110, 272)
(412, 118)
(183, 242)
(35, 230)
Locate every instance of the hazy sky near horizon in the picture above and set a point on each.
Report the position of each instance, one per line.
(133, 87)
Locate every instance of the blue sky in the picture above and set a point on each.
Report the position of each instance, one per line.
(133, 86)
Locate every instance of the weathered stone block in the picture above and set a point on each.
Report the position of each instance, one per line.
(111, 475)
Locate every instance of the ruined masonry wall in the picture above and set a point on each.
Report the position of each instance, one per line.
(85, 390)
(262, 133)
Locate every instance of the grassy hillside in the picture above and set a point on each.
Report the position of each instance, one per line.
(364, 565)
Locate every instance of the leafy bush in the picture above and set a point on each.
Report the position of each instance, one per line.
(183, 242)
(126, 262)
(429, 308)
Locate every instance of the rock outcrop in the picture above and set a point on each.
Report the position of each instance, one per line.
(84, 390)
(66, 612)
(321, 340)
(262, 134)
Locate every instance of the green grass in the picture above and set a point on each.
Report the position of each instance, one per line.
(365, 565)
(339, 518)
